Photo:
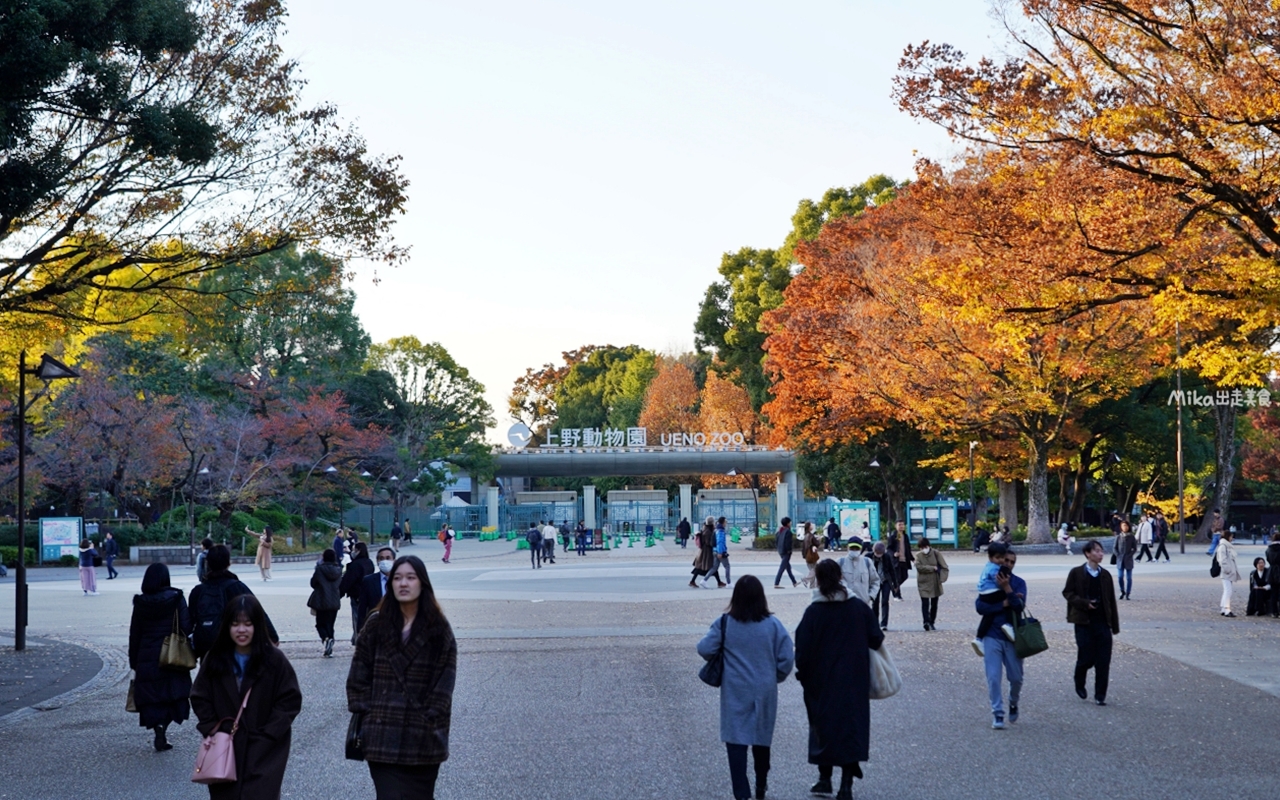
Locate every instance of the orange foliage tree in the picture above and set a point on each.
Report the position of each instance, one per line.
(670, 399)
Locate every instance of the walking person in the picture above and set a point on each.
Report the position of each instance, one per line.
(786, 545)
(1160, 532)
(857, 572)
(833, 643)
(401, 680)
(811, 550)
(326, 598)
(243, 668)
(340, 546)
(1000, 659)
(758, 655)
(374, 587)
(722, 552)
(534, 538)
(162, 696)
(833, 534)
(266, 541)
(209, 599)
(1273, 563)
(1226, 558)
(580, 537)
(406, 532)
(1125, 546)
(549, 542)
(683, 531)
(1091, 608)
(361, 567)
(397, 533)
(202, 559)
(931, 572)
(883, 564)
(1146, 536)
(110, 552)
(449, 536)
(88, 575)
(704, 564)
(900, 547)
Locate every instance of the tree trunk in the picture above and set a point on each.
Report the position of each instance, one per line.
(1224, 472)
(1039, 529)
(1008, 491)
(1080, 491)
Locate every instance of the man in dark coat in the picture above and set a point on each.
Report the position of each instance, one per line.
(361, 567)
(833, 666)
(683, 531)
(373, 587)
(210, 597)
(110, 552)
(1091, 608)
(786, 546)
(340, 546)
(899, 547)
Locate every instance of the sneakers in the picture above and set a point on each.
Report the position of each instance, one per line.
(997, 722)
(1007, 630)
(821, 787)
(979, 647)
(1013, 712)
(328, 648)
(777, 586)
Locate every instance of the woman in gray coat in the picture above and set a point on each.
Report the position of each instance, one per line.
(758, 655)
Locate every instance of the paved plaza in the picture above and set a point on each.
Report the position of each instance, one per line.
(579, 681)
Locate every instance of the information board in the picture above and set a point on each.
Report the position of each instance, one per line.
(59, 536)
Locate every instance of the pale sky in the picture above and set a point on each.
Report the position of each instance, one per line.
(578, 168)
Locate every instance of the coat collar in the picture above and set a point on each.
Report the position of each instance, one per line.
(818, 597)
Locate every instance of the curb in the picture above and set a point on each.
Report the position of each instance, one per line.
(115, 668)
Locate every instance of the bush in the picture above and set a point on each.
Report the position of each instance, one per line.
(9, 555)
(69, 561)
(275, 517)
(766, 541)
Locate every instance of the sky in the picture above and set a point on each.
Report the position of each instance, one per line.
(578, 168)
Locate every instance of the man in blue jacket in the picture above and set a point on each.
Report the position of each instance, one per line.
(998, 653)
(722, 551)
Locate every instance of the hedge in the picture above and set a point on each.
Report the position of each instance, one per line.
(9, 555)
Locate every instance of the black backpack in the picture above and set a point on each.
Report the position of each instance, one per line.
(534, 536)
(207, 616)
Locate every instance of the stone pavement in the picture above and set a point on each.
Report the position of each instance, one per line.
(578, 681)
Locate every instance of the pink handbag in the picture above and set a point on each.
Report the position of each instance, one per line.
(216, 761)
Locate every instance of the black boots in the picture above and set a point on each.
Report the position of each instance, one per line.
(162, 743)
(762, 784)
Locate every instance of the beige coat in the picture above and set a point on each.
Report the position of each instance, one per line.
(931, 573)
(263, 559)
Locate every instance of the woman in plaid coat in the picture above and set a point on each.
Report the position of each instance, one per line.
(402, 680)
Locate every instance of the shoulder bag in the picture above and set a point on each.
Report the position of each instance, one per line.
(1028, 637)
(216, 761)
(175, 652)
(1215, 568)
(944, 571)
(885, 680)
(355, 737)
(712, 672)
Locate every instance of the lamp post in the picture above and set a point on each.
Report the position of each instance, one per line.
(331, 471)
(755, 504)
(49, 369)
(1182, 530)
(973, 509)
(191, 513)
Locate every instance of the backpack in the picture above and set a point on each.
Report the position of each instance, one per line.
(534, 536)
(442, 535)
(207, 614)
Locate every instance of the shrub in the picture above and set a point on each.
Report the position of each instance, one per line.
(766, 541)
(9, 555)
(69, 561)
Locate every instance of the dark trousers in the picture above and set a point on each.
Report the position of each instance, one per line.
(1146, 550)
(404, 782)
(738, 767)
(880, 603)
(111, 570)
(929, 609)
(582, 545)
(535, 555)
(1093, 651)
(847, 773)
(1160, 549)
(785, 566)
(549, 550)
(1259, 603)
(324, 623)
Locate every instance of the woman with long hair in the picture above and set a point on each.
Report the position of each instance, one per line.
(244, 667)
(161, 695)
(401, 680)
(266, 542)
(758, 655)
(833, 643)
(704, 564)
(811, 548)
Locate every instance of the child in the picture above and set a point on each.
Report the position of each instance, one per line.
(1259, 589)
(990, 592)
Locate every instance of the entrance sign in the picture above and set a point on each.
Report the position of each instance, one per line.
(519, 435)
(59, 536)
(596, 437)
(719, 439)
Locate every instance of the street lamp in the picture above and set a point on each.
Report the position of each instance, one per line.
(330, 471)
(191, 512)
(755, 503)
(49, 369)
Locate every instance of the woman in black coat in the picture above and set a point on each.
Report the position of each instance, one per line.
(161, 695)
(243, 661)
(833, 664)
(325, 598)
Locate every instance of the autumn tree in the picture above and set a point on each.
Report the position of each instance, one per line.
(670, 399)
(145, 142)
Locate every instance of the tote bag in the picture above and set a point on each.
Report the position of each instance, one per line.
(885, 680)
(216, 761)
(1028, 637)
(175, 652)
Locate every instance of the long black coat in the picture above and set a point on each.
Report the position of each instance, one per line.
(266, 728)
(833, 664)
(160, 694)
(357, 570)
(324, 583)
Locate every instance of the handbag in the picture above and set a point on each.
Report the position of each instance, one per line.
(355, 737)
(129, 705)
(1215, 568)
(216, 761)
(712, 672)
(885, 680)
(176, 651)
(1028, 637)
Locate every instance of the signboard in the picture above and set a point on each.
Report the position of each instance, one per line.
(59, 536)
(633, 437)
(935, 519)
(851, 514)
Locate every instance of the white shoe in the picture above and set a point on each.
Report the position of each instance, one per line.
(979, 647)
(1008, 632)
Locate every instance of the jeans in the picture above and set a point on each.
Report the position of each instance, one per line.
(582, 545)
(1217, 537)
(738, 767)
(111, 570)
(535, 555)
(1093, 651)
(1124, 579)
(723, 558)
(785, 566)
(880, 604)
(929, 609)
(1000, 657)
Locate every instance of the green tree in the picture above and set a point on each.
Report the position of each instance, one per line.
(606, 388)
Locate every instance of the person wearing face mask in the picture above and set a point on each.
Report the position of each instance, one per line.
(401, 679)
(374, 586)
(931, 572)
